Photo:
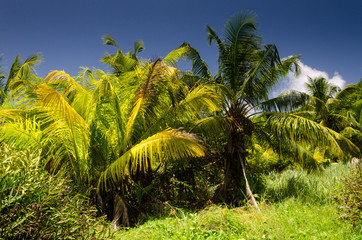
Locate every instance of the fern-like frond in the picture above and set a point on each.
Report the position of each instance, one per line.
(286, 102)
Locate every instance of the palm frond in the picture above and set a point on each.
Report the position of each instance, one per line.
(198, 103)
(139, 46)
(25, 133)
(299, 129)
(13, 71)
(212, 36)
(199, 67)
(286, 102)
(120, 62)
(346, 91)
(240, 29)
(163, 146)
(108, 40)
(262, 76)
(175, 55)
(52, 101)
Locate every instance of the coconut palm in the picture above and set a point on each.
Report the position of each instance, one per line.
(247, 73)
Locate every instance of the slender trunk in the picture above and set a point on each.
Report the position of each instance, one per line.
(249, 193)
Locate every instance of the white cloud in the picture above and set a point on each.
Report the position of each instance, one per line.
(298, 82)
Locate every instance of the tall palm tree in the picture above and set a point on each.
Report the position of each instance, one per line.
(247, 73)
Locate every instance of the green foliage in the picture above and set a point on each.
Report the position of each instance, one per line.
(38, 206)
(188, 184)
(350, 196)
(262, 161)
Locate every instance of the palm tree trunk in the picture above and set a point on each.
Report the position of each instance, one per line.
(234, 168)
(120, 212)
(249, 193)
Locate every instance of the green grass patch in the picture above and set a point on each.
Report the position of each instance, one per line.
(291, 219)
(297, 206)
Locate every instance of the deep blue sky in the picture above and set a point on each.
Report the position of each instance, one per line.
(328, 34)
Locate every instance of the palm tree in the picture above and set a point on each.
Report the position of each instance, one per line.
(114, 130)
(247, 72)
(320, 88)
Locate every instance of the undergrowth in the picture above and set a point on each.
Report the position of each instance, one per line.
(35, 205)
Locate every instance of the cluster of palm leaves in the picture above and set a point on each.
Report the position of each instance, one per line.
(109, 130)
(106, 130)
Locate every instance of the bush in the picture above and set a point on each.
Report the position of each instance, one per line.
(38, 206)
(262, 161)
(350, 197)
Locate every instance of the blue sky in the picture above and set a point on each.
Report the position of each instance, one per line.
(328, 34)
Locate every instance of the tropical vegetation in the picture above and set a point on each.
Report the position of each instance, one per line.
(146, 139)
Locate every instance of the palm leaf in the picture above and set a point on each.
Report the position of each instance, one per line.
(199, 67)
(163, 146)
(175, 55)
(299, 129)
(108, 40)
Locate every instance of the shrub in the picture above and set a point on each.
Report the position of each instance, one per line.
(38, 206)
(350, 197)
(262, 161)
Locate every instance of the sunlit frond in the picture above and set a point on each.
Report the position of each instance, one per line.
(61, 78)
(198, 103)
(10, 114)
(25, 133)
(53, 102)
(175, 55)
(163, 146)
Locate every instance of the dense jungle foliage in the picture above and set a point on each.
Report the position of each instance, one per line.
(146, 139)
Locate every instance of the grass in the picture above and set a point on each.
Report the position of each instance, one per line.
(296, 206)
(288, 220)
(317, 187)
